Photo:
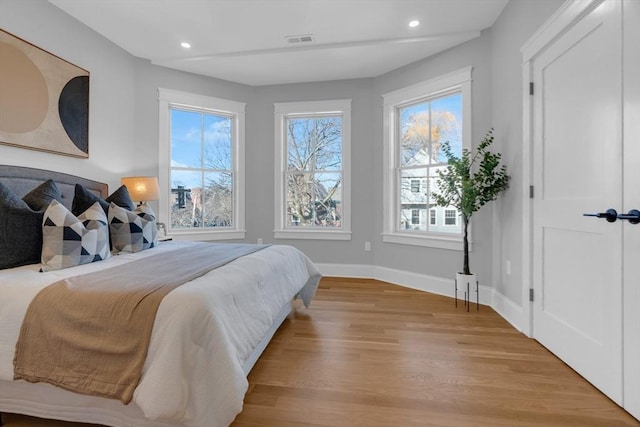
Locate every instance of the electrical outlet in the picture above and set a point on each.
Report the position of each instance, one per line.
(259, 240)
(507, 267)
(367, 246)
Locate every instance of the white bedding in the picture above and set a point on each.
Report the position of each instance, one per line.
(204, 332)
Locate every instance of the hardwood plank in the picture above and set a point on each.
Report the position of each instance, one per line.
(368, 353)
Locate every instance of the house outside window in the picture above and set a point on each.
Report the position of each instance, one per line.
(312, 144)
(417, 121)
(202, 181)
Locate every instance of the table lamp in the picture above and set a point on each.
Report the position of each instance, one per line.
(142, 188)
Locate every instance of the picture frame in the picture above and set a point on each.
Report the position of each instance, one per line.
(44, 102)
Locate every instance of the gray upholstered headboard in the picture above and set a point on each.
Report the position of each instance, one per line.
(21, 180)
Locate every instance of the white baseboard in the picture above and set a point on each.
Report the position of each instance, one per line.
(357, 271)
(422, 282)
(510, 311)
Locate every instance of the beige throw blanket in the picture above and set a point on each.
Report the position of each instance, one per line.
(90, 333)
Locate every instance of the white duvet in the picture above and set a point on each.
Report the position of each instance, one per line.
(203, 334)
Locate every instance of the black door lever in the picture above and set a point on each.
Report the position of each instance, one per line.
(633, 216)
(611, 215)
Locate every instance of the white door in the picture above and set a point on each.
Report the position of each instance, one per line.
(631, 232)
(578, 168)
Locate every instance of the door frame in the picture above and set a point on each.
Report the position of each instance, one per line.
(565, 17)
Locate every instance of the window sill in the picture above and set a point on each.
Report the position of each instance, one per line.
(207, 235)
(454, 244)
(312, 234)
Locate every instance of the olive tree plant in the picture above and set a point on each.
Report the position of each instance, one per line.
(470, 181)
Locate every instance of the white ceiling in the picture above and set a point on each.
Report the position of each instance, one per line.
(245, 40)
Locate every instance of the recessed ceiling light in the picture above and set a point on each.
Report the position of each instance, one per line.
(414, 23)
(185, 45)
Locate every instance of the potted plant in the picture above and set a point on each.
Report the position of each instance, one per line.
(467, 183)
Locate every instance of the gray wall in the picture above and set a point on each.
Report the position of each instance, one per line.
(148, 79)
(260, 172)
(124, 133)
(517, 23)
(112, 113)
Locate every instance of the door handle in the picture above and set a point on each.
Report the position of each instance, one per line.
(611, 215)
(633, 216)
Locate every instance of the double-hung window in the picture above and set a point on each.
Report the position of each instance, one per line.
(312, 176)
(417, 121)
(201, 165)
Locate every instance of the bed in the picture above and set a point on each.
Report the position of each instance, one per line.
(207, 333)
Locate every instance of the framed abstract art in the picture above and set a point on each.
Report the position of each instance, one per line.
(44, 100)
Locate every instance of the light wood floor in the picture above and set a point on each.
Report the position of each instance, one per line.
(368, 353)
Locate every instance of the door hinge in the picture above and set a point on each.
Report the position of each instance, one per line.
(531, 191)
(531, 295)
(530, 88)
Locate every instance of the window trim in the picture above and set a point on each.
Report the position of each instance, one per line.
(304, 108)
(168, 98)
(456, 80)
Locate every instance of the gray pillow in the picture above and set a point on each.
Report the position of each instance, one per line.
(20, 231)
(83, 199)
(40, 197)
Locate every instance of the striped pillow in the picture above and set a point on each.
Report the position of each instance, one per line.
(68, 240)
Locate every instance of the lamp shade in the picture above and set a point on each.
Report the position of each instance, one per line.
(142, 188)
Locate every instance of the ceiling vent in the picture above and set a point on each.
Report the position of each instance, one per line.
(306, 38)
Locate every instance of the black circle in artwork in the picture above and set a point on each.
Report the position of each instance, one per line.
(73, 107)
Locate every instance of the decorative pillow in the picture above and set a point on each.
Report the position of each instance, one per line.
(132, 231)
(20, 231)
(84, 198)
(40, 197)
(69, 240)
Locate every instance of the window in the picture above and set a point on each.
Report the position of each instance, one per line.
(415, 185)
(417, 121)
(201, 158)
(312, 169)
(433, 217)
(450, 217)
(415, 216)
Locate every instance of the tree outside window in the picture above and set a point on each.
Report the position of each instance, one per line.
(314, 171)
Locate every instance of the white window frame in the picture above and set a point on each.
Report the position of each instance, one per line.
(447, 216)
(282, 110)
(433, 216)
(172, 98)
(456, 80)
